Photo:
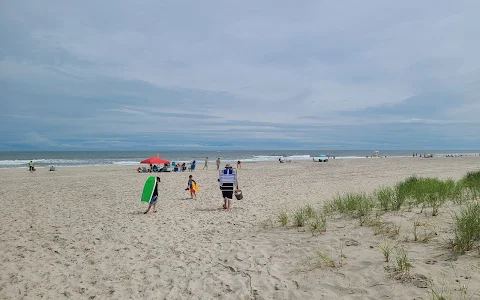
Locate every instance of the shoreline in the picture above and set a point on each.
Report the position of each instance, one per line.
(200, 163)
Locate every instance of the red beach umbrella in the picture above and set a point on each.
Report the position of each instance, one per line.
(155, 161)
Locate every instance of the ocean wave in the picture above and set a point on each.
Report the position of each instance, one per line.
(125, 163)
(455, 154)
(41, 161)
(260, 158)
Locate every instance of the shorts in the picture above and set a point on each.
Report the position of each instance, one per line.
(218, 165)
(154, 200)
(227, 190)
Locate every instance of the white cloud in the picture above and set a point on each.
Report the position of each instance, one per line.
(251, 61)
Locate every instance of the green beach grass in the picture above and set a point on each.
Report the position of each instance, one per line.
(409, 193)
(467, 228)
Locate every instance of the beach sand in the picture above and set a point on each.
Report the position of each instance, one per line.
(80, 233)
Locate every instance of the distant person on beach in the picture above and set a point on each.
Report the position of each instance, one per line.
(31, 166)
(218, 163)
(191, 187)
(154, 200)
(228, 182)
(205, 166)
(239, 164)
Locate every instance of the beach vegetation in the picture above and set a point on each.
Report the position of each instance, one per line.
(471, 182)
(386, 228)
(326, 259)
(426, 192)
(440, 296)
(403, 262)
(414, 191)
(404, 190)
(356, 205)
(461, 194)
(385, 198)
(416, 224)
(283, 218)
(329, 260)
(300, 217)
(365, 208)
(467, 228)
(309, 211)
(428, 236)
(318, 224)
(329, 208)
(418, 236)
(387, 249)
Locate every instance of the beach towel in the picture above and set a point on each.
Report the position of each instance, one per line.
(227, 176)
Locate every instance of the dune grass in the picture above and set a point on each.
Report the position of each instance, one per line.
(300, 217)
(329, 260)
(467, 228)
(305, 216)
(385, 197)
(471, 182)
(318, 224)
(283, 218)
(326, 259)
(413, 191)
(403, 262)
(353, 204)
(423, 192)
(309, 211)
(386, 248)
(440, 296)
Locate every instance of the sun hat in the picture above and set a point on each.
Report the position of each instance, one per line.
(228, 166)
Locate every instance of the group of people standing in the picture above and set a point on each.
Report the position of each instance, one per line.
(217, 163)
(227, 179)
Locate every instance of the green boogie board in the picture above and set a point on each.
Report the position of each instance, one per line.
(148, 189)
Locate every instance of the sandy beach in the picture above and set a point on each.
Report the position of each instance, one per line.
(80, 233)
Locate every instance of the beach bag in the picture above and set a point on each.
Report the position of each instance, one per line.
(238, 194)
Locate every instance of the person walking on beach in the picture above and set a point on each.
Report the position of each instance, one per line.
(205, 166)
(239, 164)
(31, 166)
(228, 181)
(192, 186)
(154, 200)
(218, 164)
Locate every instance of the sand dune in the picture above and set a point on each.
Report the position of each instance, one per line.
(81, 233)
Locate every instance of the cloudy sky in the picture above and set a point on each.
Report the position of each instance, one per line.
(115, 74)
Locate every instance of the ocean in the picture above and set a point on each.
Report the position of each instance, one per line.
(20, 159)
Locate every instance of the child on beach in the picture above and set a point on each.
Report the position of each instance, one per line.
(205, 166)
(154, 200)
(31, 166)
(218, 164)
(192, 186)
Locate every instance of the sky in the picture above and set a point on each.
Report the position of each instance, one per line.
(139, 75)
